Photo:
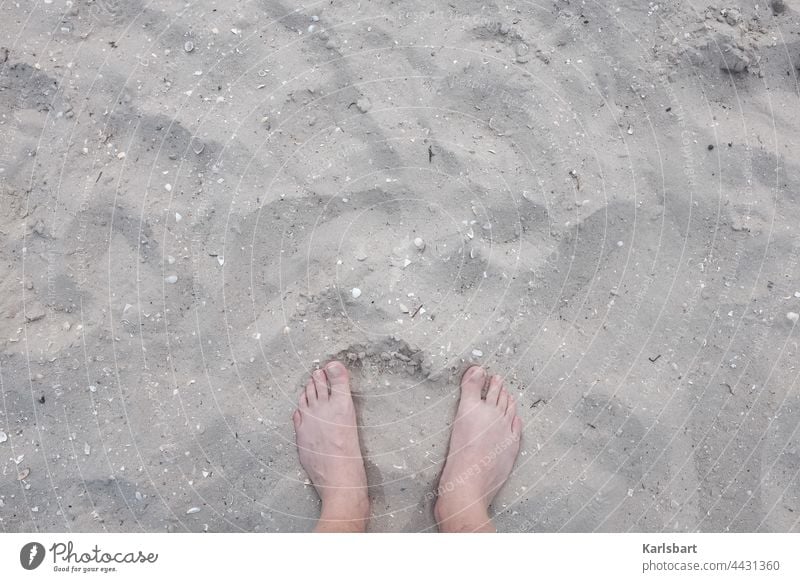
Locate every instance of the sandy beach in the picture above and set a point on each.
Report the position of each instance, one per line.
(201, 202)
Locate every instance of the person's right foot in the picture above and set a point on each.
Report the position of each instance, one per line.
(483, 447)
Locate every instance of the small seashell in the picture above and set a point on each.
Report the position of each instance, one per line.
(188, 46)
(420, 244)
(192, 510)
(356, 292)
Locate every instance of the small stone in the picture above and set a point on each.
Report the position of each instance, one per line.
(386, 356)
(797, 294)
(23, 474)
(315, 18)
(66, 326)
(364, 105)
(404, 308)
(356, 292)
(170, 259)
(87, 449)
(35, 313)
(221, 260)
(192, 510)
(92, 388)
(477, 353)
(778, 6)
(171, 279)
(3, 437)
(521, 49)
(168, 187)
(620, 243)
(188, 46)
(138, 496)
(793, 316)
(360, 255)
(39, 228)
(178, 217)
(420, 244)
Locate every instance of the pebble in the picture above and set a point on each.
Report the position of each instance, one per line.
(356, 292)
(138, 496)
(3, 437)
(477, 353)
(170, 259)
(420, 244)
(797, 294)
(386, 356)
(192, 510)
(364, 105)
(23, 474)
(168, 187)
(178, 217)
(778, 6)
(171, 279)
(403, 308)
(87, 449)
(188, 46)
(793, 316)
(66, 326)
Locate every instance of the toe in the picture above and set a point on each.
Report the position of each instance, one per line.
(311, 393)
(303, 400)
(511, 409)
(495, 385)
(516, 426)
(321, 382)
(338, 378)
(297, 418)
(472, 383)
(502, 401)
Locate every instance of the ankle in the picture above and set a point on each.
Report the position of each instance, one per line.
(453, 516)
(347, 509)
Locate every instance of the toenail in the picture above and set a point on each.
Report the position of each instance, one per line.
(334, 368)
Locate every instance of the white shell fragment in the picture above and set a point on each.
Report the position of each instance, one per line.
(3, 437)
(477, 353)
(356, 292)
(171, 278)
(192, 510)
(793, 316)
(420, 244)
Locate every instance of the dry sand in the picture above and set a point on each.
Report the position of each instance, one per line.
(607, 197)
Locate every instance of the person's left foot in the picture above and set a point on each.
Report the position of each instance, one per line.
(327, 442)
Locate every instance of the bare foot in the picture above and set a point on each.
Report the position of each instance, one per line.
(327, 442)
(483, 447)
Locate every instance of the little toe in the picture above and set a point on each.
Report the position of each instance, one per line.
(495, 385)
(311, 393)
(297, 419)
(321, 382)
(502, 401)
(338, 378)
(472, 383)
(511, 409)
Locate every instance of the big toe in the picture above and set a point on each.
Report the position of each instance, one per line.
(472, 383)
(338, 377)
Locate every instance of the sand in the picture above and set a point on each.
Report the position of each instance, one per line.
(598, 201)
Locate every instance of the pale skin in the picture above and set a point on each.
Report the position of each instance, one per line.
(484, 444)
